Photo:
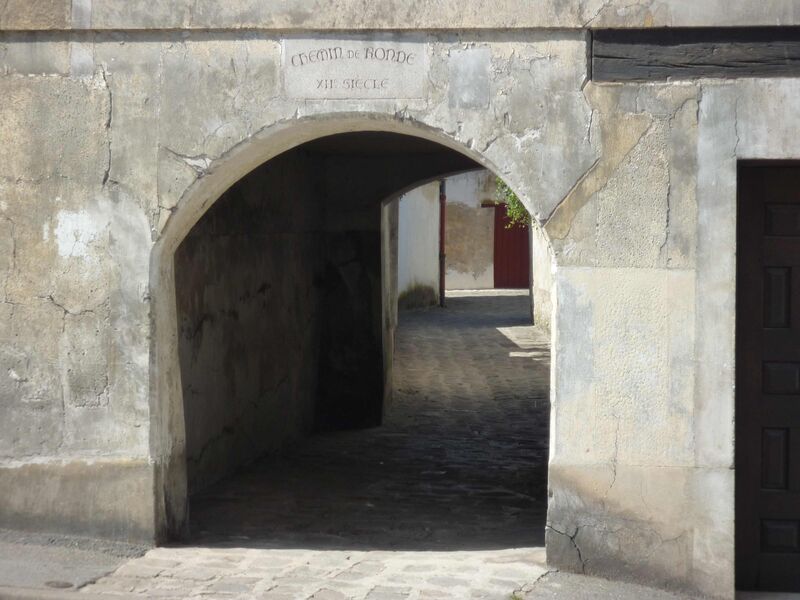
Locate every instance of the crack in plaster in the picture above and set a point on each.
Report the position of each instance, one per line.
(109, 121)
(199, 162)
(156, 211)
(574, 543)
(528, 587)
(620, 10)
(587, 23)
(614, 460)
(490, 142)
(668, 215)
(12, 268)
(67, 311)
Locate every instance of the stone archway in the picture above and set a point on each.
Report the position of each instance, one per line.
(168, 436)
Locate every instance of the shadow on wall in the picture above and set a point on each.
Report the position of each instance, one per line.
(278, 330)
(279, 297)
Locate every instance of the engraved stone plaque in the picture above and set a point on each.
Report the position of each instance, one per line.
(326, 68)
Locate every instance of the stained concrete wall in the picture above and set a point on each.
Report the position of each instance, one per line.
(106, 162)
(469, 242)
(250, 318)
(418, 247)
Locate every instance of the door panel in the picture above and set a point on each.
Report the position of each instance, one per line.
(512, 252)
(768, 379)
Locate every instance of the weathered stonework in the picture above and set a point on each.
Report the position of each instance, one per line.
(114, 143)
(469, 246)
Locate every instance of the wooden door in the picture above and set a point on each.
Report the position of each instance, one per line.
(512, 252)
(768, 379)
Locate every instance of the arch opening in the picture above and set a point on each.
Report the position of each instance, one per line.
(301, 238)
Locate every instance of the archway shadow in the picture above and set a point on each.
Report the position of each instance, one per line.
(460, 463)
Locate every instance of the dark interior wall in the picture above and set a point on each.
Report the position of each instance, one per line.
(389, 258)
(250, 319)
(350, 388)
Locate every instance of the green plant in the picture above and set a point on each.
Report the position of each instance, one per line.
(516, 211)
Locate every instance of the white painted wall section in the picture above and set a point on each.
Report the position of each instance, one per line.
(418, 240)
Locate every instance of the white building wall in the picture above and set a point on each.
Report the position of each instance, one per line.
(418, 246)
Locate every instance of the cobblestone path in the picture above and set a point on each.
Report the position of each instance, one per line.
(446, 500)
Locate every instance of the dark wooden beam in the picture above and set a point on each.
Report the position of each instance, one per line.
(662, 54)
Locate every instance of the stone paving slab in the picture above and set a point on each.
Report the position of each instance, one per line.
(581, 587)
(41, 561)
(197, 572)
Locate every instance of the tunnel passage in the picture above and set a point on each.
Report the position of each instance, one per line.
(279, 295)
(459, 464)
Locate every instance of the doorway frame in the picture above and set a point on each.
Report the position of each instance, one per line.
(739, 121)
(738, 399)
(167, 426)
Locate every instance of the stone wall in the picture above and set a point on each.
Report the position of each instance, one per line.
(115, 143)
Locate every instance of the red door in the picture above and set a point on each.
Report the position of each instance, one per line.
(512, 252)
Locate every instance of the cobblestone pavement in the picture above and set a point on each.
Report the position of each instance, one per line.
(446, 500)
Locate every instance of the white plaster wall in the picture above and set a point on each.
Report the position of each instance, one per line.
(418, 240)
(471, 188)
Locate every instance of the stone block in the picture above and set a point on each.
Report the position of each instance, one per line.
(109, 498)
(81, 14)
(216, 89)
(85, 352)
(53, 128)
(614, 367)
(33, 54)
(636, 205)
(40, 14)
(625, 522)
(133, 79)
(31, 419)
(469, 78)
